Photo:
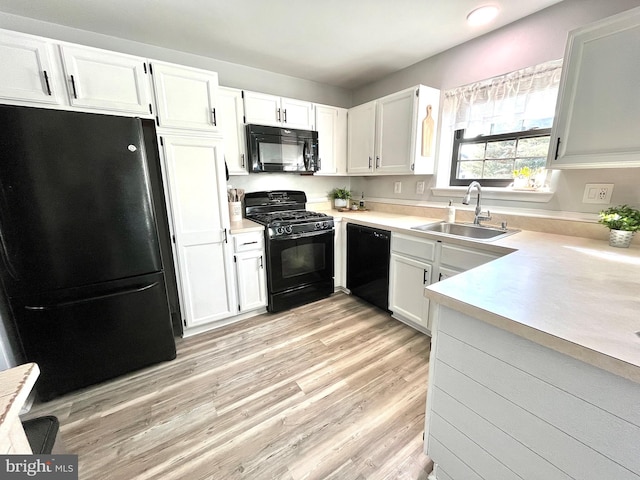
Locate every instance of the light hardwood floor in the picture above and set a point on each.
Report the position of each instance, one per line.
(331, 390)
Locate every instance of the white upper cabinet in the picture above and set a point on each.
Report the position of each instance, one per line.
(231, 125)
(263, 109)
(395, 134)
(98, 79)
(185, 97)
(361, 138)
(331, 124)
(28, 70)
(598, 111)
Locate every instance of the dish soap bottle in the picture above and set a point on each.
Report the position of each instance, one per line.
(451, 213)
(362, 201)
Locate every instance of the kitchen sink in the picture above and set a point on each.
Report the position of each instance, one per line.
(466, 230)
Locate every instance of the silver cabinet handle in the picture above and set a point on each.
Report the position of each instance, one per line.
(242, 160)
(370, 159)
(284, 115)
(278, 114)
(213, 117)
(377, 162)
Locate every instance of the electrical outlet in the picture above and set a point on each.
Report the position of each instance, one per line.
(597, 193)
(419, 188)
(397, 187)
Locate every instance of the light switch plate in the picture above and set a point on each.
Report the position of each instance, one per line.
(597, 193)
(397, 187)
(419, 188)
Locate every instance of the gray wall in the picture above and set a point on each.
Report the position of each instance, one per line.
(530, 41)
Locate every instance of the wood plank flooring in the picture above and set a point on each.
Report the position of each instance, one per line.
(331, 390)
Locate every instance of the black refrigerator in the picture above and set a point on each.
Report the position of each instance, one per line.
(81, 261)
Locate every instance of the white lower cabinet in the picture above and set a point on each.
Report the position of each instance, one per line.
(250, 273)
(200, 217)
(410, 272)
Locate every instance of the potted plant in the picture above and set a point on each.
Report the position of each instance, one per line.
(340, 197)
(623, 221)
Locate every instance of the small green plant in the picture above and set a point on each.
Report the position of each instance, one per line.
(622, 217)
(342, 193)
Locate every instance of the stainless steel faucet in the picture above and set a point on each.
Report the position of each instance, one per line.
(478, 213)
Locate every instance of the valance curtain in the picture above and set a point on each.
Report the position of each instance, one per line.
(516, 101)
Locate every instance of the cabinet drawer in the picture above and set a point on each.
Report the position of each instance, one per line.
(243, 242)
(413, 246)
(464, 259)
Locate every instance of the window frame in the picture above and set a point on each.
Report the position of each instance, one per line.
(458, 140)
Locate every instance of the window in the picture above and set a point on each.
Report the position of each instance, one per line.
(492, 159)
(499, 125)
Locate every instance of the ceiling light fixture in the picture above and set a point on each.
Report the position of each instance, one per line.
(482, 15)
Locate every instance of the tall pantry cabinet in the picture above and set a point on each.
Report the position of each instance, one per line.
(193, 154)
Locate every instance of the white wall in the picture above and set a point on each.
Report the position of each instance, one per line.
(535, 39)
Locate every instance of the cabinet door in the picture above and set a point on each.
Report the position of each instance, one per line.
(252, 292)
(27, 70)
(331, 124)
(596, 122)
(185, 97)
(296, 114)
(99, 79)
(340, 254)
(230, 122)
(394, 133)
(407, 281)
(196, 179)
(262, 109)
(361, 135)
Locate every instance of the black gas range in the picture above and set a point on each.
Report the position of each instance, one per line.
(299, 247)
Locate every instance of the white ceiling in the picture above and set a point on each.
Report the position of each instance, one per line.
(346, 43)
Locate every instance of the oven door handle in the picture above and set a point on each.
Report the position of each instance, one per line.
(304, 235)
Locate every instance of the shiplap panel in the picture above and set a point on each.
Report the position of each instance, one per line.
(456, 468)
(520, 459)
(573, 457)
(484, 464)
(581, 420)
(614, 394)
(443, 475)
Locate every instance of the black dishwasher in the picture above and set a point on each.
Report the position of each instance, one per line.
(368, 251)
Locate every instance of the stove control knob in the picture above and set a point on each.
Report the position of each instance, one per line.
(288, 229)
(279, 230)
(326, 225)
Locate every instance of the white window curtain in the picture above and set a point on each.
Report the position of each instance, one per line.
(516, 101)
(512, 102)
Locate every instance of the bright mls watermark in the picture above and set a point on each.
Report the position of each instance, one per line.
(50, 467)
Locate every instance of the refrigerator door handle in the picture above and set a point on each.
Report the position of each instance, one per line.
(126, 291)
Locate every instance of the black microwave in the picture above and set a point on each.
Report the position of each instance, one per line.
(276, 149)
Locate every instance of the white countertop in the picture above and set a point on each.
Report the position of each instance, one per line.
(245, 226)
(576, 295)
